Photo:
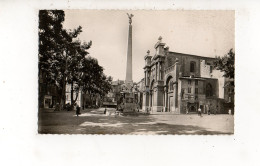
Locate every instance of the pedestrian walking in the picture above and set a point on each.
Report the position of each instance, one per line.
(77, 110)
(105, 111)
(229, 111)
(199, 112)
(209, 109)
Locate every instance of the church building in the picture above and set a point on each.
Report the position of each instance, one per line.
(178, 83)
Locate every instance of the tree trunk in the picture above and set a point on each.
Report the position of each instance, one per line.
(63, 91)
(90, 96)
(74, 101)
(71, 95)
(83, 98)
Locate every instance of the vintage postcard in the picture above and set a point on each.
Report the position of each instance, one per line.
(131, 72)
(129, 83)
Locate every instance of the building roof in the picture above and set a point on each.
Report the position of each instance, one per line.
(117, 82)
(197, 78)
(192, 55)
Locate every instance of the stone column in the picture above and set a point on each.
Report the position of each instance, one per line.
(165, 99)
(176, 94)
(159, 71)
(148, 78)
(145, 100)
(150, 99)
(156, 71)
(145, 78)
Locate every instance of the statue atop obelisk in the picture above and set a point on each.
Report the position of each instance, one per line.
(128, 103)
(128, 79)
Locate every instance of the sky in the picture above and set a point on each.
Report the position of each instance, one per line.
(196, 32)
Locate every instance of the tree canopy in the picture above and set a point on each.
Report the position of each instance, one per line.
(64, 59)
(226, 64)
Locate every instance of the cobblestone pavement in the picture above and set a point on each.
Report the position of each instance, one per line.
(94, 121)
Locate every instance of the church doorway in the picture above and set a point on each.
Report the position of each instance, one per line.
(171, 103)
(169, 99)
(192, 109)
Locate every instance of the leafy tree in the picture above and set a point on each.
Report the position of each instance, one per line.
(94, 81)
(226, 64)
(56, 46)
(51, 37)
(64, 60)
(76, 67)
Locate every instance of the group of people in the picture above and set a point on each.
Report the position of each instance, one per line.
(115, 113)
(215, 111)
(208, 111)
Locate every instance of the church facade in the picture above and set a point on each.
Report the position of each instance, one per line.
(177, 83)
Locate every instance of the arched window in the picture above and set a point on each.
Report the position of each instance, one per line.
(192, 66)
(169, 84)
(209, 90)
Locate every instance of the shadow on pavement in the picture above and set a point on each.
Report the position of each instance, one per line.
(95, 122)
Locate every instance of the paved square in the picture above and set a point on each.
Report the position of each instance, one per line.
(94, 121)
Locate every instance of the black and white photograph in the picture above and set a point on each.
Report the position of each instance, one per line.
(136, 72)
(129, 82)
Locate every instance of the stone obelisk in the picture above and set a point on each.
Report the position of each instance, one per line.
(129, 79)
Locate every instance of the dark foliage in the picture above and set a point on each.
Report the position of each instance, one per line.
(226, 64)
(64, 60)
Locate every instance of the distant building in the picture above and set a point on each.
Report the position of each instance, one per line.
(139, 92)
(90, 101)
(229, 94)
(75, 95)
(113, 96)
(179, 83)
